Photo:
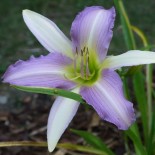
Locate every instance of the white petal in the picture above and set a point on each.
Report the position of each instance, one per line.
(46, 31)
(130, 58)
(61, 114)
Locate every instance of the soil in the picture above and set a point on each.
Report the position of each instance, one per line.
(23, 117)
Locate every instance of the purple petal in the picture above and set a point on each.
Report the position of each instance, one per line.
(106, 96)
(45, 71)
(92, 28)
(61, 114)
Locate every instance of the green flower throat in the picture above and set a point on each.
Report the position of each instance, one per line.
(85, 67)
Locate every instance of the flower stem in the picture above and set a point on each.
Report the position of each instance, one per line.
(23, 143)
(60, 145)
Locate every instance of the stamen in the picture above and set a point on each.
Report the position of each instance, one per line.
(87, 64)
(84, 50)
(75, 60)
(82, 63)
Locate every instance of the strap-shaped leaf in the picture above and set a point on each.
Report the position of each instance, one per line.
(51, 91)
(93, 141)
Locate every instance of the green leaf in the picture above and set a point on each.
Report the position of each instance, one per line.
(153, 132)
(51, 91)
(151, 137)
(133, 134)
(93, 141)
(139, 90)
(80, 148)
(141, 35)
(128, 34)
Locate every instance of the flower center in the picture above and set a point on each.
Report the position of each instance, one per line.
(81, 64)
(84, 69)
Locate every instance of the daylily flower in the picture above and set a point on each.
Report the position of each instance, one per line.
(80, 65)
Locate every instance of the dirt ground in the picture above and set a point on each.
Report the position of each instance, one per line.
(23, 117)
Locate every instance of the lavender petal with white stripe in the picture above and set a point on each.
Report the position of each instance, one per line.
(106, 97)
(45, 71)
(92, 28)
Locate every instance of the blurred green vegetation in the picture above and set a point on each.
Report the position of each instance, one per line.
(17, 42)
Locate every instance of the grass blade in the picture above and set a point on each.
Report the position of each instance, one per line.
(133, 134)
(93, 141)
(128, 34)
(139, 90)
